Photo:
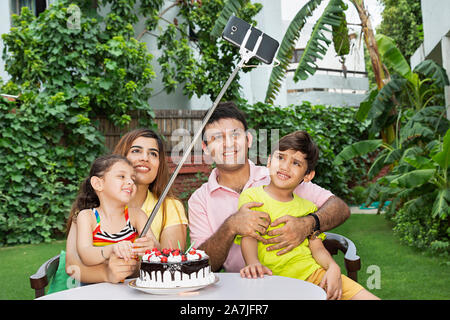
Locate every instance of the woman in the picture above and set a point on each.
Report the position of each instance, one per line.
(145, 150)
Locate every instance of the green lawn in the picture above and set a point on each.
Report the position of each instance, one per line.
(18, 263)
(405, 273)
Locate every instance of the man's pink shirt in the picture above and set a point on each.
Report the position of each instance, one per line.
(211, 204)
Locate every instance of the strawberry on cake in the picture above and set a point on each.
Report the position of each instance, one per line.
(171, 268)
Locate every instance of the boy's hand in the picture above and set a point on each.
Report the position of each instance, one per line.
(332, 282)
(254, 270)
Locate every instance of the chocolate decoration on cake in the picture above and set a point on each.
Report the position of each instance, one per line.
(156, 266)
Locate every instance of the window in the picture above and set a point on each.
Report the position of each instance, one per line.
(36, 6)
(296, 55)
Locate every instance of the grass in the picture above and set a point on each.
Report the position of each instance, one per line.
(18, 263)
(405, 273)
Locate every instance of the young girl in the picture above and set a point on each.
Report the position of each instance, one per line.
(105, 224)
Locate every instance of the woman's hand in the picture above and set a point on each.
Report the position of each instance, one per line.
(118, 269)
(254, 270)
(332, 282)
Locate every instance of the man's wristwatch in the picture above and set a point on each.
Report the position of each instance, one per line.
(316, 229)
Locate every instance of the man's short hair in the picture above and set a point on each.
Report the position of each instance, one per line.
(300, 141)
(226, 110)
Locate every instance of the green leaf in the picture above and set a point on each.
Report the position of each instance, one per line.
(105, 84)
(392, 56)
(230, 7)
(287, 47)
(443, 157)
(366, 105)
(317, 45)
(440, 205)
(378, 164)
(431, 69)
(413, 179)
(382, 102)
(357, 149)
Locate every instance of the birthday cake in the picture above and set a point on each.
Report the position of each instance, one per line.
(171, 268)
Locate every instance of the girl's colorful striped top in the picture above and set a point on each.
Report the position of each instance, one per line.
(102, 238)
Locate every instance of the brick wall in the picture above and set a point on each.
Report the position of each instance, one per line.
(190, 177)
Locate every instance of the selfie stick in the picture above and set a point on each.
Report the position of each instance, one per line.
(245, 56)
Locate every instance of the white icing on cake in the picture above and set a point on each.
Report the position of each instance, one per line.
(175, 269)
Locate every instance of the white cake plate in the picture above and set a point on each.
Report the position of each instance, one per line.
(175, 290)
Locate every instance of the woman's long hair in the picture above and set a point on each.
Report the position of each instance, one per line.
(162, 176)
(87, 197)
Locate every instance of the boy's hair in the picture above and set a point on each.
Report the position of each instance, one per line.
(87, 198)
(226, 110)
(300, 141)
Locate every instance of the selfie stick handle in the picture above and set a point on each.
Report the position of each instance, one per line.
(245, 56)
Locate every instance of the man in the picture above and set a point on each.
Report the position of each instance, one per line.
(214, 220)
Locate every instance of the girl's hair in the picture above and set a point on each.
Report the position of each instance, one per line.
(87, 197)
(162, 176)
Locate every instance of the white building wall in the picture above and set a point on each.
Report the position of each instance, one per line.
(436, 44)
(273, 19)
(324, 87)
(5, 24)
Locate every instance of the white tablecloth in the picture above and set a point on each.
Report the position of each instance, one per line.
(230, 286)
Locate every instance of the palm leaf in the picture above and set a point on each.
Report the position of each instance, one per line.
(230, 7)
(318, 44)
(287, 47)
(357, 149)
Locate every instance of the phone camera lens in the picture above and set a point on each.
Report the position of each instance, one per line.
(233, 28)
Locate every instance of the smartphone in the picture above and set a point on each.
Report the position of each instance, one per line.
(235, 31)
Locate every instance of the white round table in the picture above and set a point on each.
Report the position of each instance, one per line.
(230, 286)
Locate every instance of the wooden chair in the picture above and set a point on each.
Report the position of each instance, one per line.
(41, 278)
(335, 242)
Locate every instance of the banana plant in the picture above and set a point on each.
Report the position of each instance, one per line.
(333, 17)
(407, 89)
(425, 181)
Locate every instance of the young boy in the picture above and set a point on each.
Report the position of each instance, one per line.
(292, 162)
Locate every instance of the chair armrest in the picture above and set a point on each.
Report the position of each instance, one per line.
(350, 254)
(39, 280)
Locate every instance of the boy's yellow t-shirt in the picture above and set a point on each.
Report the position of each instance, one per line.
(175, 213)
(297, 263)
